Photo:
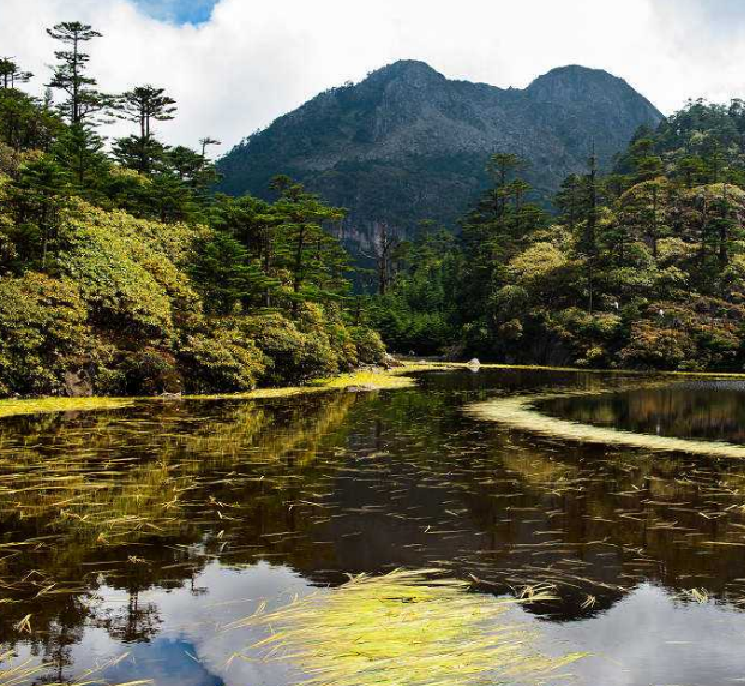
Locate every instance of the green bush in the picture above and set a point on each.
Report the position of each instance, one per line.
(148, 372)
(43, 332)
(369, 345)
(222, 363)
(294, 356)
(124, 270)
(653, 346)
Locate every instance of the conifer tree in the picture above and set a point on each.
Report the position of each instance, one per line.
(142, 106)
(82, 145)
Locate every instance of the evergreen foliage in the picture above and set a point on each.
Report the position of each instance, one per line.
(641, 267)
(121, 274)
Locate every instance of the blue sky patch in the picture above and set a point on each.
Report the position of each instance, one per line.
(178, 11)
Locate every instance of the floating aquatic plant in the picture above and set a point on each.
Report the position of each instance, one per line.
(520, 413)
(11, 408)
(403, 629)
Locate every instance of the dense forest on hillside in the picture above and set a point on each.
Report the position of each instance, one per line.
(640, 268)
(121, 273)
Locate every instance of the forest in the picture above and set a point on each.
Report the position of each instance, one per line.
(639, 268)
(122, 273)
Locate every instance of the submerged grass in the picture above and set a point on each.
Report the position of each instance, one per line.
(403, 629)
(520, 413)
(28, 672)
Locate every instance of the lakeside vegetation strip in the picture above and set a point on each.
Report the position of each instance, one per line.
(520, 413)
(364, 380)
(11, 408)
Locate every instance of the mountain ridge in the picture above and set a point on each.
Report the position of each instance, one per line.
(408, 144)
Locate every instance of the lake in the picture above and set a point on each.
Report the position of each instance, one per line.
(134, 541)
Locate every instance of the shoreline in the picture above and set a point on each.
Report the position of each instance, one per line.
(360, 381)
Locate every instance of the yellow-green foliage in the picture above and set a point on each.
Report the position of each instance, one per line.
(587, 335)
(404, 629)
(700, 335)
(43, 327)
(369, 345)
(126, 272)
(538, 261)
(717, 191)
(226, 361)
(295, 355)
(122, 307)
(309, 346)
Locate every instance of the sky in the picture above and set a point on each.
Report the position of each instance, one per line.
(235, 65)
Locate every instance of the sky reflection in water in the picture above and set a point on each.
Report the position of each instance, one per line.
(203, 510)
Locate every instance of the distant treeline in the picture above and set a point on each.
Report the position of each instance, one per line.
(642, 268)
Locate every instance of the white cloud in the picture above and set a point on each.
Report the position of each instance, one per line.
(254, 61)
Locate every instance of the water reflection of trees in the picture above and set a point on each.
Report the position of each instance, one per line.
(339, 483)
(145, 498)
(683, 410)
(515, 511)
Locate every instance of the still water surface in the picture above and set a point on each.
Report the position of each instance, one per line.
(145, 531)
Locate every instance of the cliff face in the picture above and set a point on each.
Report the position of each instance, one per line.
(407, 144)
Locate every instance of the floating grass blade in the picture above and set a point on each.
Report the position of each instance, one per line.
(30, 672)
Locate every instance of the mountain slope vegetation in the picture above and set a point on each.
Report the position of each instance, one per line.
(407, 144)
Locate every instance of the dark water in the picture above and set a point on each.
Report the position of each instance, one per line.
(142, 532)
(708, 410)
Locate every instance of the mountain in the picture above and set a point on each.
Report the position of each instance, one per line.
(407, 144)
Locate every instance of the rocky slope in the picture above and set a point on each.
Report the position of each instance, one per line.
(407, 144)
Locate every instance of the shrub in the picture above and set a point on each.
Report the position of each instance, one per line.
(43, 332)
(294, 356)
(657, 347)
(369, 345)
(148, 372)
(224, 362)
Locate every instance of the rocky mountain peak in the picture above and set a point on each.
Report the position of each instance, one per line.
(573, 83)
(407, 144)
(404, 75)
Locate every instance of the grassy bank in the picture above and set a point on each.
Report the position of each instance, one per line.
(363, 380)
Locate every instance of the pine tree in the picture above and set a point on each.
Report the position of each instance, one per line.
(143, 106)
(37, 199)
(83, 101)
(11, 74)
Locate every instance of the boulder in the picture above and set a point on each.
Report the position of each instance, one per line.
(77, 384)
(361, 389)
(390, 362)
